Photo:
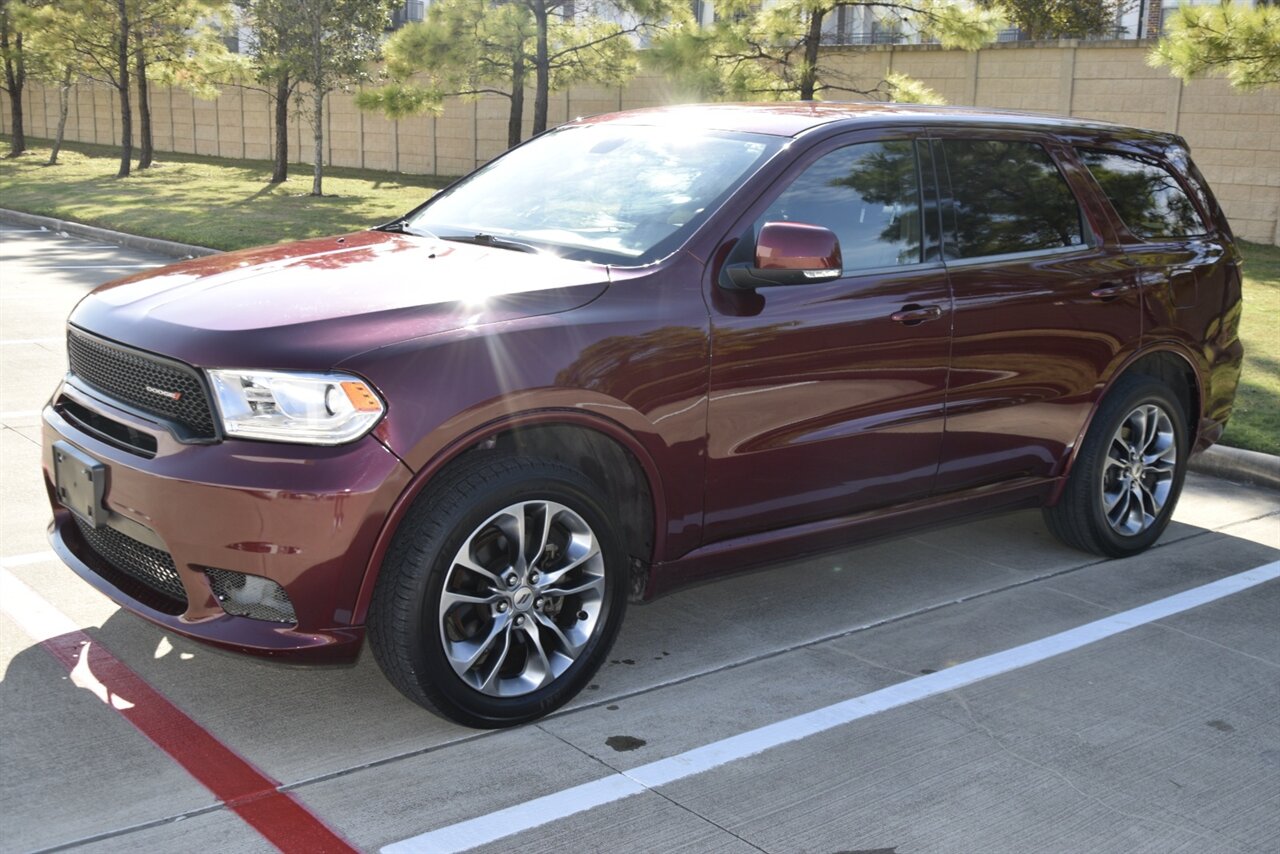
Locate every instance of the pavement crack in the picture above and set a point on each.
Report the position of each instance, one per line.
(1079, 598)
(660, 794)
(20, 435)
(1166, 626)
(877, 665)
(1214, 643)
(125, 831)
(714, 824)
(959, 699)
(577, 749)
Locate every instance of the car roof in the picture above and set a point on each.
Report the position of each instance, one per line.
(792, 118)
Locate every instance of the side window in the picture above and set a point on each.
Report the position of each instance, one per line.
(1008, 196)
(868, 194)
(1145, 195)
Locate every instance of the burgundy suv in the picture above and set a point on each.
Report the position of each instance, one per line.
(639, 350)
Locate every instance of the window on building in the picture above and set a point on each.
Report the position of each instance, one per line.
(1145, 195)
(1008, 196)
(867, 194)
(408, 13)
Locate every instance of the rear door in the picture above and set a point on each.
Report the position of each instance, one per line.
(827, 398)
(1045, 305)
(1187, 265)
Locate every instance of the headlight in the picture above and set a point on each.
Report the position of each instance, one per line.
(312, 409)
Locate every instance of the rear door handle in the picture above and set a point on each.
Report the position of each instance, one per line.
(912, 314)
(1109, 292)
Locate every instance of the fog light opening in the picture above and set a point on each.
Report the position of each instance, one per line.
(250, 596)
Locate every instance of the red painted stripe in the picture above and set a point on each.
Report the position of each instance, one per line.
(278, 816)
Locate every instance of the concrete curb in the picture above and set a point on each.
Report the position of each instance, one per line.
(1239, 466)
(133, 241)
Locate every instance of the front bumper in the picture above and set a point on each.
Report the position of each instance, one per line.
(302, 516)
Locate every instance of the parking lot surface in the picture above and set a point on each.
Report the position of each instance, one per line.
(977, 688)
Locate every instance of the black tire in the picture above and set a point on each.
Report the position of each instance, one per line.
(412, 637)
(1081, 518)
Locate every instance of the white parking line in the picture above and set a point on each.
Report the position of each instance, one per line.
(57, 339)
(19, 415)
(40, 620)
(535, 813)
(26, 559)
(102, 266)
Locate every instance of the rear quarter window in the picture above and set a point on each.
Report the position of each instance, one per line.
(1007, 197)
(1147, 198)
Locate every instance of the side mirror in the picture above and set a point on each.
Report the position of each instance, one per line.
(787, 253)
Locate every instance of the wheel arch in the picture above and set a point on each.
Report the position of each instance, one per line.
(599, 447)
(1166, 363)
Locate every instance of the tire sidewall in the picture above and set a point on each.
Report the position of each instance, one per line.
(459, 700)
(1136, 392)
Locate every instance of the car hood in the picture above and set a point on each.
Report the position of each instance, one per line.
(312, 304)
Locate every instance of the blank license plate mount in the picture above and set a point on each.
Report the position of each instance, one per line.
(81, 482)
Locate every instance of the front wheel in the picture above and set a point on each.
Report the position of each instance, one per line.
(502, 592)
(1129, 472)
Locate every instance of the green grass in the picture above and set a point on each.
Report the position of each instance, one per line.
(1255, 423)
(228, 204)
(204, 201)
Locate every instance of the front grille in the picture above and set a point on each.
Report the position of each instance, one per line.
(145, 573)
(126, 375)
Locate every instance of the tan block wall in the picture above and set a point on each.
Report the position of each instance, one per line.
(1234, 136)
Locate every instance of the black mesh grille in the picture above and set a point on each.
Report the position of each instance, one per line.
(148, 567)
(127, 374)
(251, 596)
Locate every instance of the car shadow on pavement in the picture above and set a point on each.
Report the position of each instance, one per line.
(301, 723)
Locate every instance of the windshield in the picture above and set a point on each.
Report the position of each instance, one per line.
(611, 194)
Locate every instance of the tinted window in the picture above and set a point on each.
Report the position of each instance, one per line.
(868, 195)
(1008, 196)
(1145, 195)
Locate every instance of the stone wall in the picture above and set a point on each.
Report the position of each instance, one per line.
(1234, 136)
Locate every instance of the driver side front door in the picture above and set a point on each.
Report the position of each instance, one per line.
(827, 399)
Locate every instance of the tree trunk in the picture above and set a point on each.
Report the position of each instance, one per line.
(809, 73)
(542, 70)
(317, 128)
(122, 86)
(15, 74)
(280, 173)
(515, 121)
(144, 105)
(64, 107)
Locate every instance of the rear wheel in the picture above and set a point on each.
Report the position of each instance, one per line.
(1129, 472)
(502, 593)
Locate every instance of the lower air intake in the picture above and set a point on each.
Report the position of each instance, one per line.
(251, 596)
(137, 569)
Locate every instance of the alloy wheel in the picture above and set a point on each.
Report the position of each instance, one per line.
(1138, 474)
(522, 598)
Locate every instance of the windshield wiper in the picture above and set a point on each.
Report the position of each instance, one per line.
(402, 226)
(482, 239)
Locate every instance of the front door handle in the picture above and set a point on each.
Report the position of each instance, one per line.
(1110, 292)
(913, 315)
